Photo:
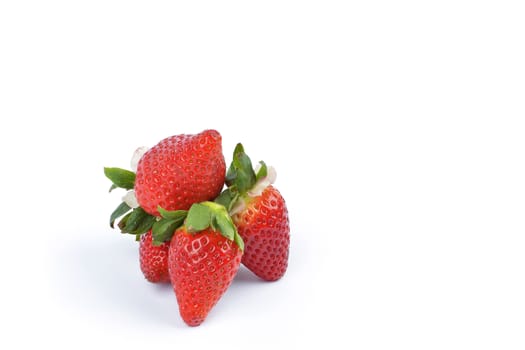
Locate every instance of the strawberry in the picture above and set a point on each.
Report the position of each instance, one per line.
(204, 256)
(153, 259)
(259, 212)
(152, 231)
(263, 224)
(179, 171)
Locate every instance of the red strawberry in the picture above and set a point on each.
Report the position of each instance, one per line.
(154, 259)
(260, 214)
(179, 171)
(152, 231)
(204, 257)
(263, 225)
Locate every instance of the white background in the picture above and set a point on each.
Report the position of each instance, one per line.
(396, 127)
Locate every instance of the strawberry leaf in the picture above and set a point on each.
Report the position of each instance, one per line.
(225, 225)
(163, 230)
(232, 203)
(225, 198)
(245, 176)
(123, 221)
(199, 218)
(122, 209)
(144, 225)
(240, 173)
(137, 215)
(222, 222)
(238, 240)
(120, 177)
(263, 171)
(231, 175)
(138, 222)
(172, 214)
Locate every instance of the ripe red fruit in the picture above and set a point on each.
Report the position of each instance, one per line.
(260, 214)
(153, 259)
(204, 256)
(179, 171)
(264, 228)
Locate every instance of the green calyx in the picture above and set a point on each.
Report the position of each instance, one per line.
(240, 175)
(122, 209)
(134, 220)
(210, 214)
(227, 199)
(165, 226)
(121, 178)
(240, 178)
(137, 222)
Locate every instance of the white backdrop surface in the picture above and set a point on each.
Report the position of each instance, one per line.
(397, 130)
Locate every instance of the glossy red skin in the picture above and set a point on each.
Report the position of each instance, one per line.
(179, 171)
(201, 267)
(153, 259)
(265, 230)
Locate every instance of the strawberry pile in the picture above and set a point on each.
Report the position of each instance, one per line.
(193, 233)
